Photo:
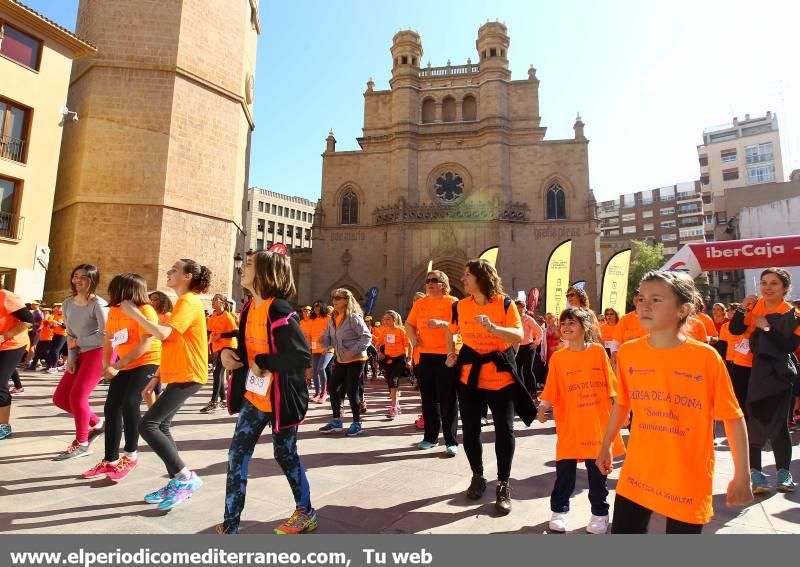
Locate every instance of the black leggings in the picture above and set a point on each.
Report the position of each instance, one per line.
(525, 366)
(155, 424)
(632, 518)
(471, 402)
(122, 409)
(42, 352)
(437, 388)
(346, 379)
(8, 365)
(218, 388)
(56, 345)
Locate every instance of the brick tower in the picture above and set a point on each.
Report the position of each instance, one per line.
(156, 167)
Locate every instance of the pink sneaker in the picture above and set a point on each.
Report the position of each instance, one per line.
(420, 422)
(392, 412)
(100, 469)
(124, 466)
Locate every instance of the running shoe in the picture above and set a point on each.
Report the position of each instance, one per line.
(17, 391)
(159, 495)
(558, 522)
(100, 469)
(477, 487)
(598, 525)
(5, 431)
(353, 430)
(503, 502)
(333, 426)
(391, 413)
(426, 445)
(222, 404)
(759, 481)
(785, 481)
(182, 491)
(299, 522)
(210, 407)
(52, 371)
(452, 450)
(420, 422)
(94, 433)
(397, 409)
(122, 468)
(74, 451)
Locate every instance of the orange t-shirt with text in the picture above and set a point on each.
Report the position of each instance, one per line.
(184, 353)
(46, 330)
(394, 342)
(741, 343)
(607, 333)
(431, 341)
(256, 339)
(225, 322)
(481, 341)
(117, 320)
(629, 328)
(675, 394)
(9, 303)
(318, 325)
(580, 386)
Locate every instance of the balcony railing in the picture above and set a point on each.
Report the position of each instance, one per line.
(449, 71)
(11, 226)
(759, 158)
(12, 148)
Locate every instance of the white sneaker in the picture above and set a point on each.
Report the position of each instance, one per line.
(597, 525)
(558, 522)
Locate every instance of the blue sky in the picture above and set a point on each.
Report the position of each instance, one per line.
(647, 77)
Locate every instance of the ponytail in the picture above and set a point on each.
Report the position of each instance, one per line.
(201, 276)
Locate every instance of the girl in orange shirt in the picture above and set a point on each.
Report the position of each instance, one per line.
(15, 319)
(608, 330)
(393, 354)
(162, 304)
(184, 370)
(320, 357)
(580, 388)
(138, 357)
(677, 387)
(222, 326)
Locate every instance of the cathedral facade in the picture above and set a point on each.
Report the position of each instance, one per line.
(453, 160)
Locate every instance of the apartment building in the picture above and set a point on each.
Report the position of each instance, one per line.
(277, 218)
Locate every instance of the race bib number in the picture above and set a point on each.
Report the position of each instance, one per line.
(258, 384)
(313, 344)
(390, 339)
(609, 345)
(119, 338)
(743, 347)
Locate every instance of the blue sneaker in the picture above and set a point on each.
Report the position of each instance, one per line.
(426, 445)
(759, 481)
(5, 430)
(181, 492)
(333, 426)
(159, 495)
(785, 481)
(452, 450)
(353, 430)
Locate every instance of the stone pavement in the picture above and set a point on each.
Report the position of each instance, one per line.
(376, 483)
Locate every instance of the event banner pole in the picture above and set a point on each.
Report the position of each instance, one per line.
(558, 278)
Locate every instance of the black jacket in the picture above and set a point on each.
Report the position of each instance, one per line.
(772, 379)
(289, 357)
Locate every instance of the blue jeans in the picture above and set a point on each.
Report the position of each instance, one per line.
(566, 472)
(251, 423)
(319, 362)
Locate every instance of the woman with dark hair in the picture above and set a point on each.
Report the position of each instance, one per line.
(577, 297)
(765, 333)
(15, 319)
(184, 370)
(137, 359)
(489, 324)
(320, 357)
(162, 304)
(608, 330)
(268, 387)
(223, 328)
(85, 319)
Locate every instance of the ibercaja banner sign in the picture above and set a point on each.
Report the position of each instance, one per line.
(779, 251)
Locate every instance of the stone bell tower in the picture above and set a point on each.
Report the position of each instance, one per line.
(156, 168)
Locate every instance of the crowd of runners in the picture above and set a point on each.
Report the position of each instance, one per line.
(664, 372)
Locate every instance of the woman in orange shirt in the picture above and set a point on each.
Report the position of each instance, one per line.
(489, 324)
(320, 357)
(163, 306)
(15, 319)
(138, 357)
(767, 412)
(677, 387)
(222, 326)
(580, 388)
(393, 354)
(608, 330)
(184, 370)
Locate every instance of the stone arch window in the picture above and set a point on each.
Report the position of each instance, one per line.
(449, 109)
(556, 202)
(428, 111)
(349, 208)
(404, 60)
(469, 108)
(493, 52)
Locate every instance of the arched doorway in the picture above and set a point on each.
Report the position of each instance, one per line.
(452, 266)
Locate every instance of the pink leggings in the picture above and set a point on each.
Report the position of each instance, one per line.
(72, 392)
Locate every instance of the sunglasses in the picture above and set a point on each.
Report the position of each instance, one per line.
(338, 297)
(433, 280)
(572, 295)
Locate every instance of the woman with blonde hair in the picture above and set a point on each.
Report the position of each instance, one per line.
(393, 354)
(349, 336)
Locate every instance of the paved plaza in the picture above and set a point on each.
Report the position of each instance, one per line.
(376, 483)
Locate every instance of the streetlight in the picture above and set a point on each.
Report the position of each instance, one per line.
(238, 261)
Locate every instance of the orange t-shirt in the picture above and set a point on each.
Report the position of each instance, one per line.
(46, 330)
(318, 325)
(58, 320)
(9, 303)
(479, 339)
(675, 394)
(431, 341)
(629, 328)
(580, 386)
(306, 327)
(607, 333)
(184, 354)
(741, 343)
(256, 339)
(395, 341)
(225, 322)
(117, 321)
(725, 335)
(695, 329)
(708, 323)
